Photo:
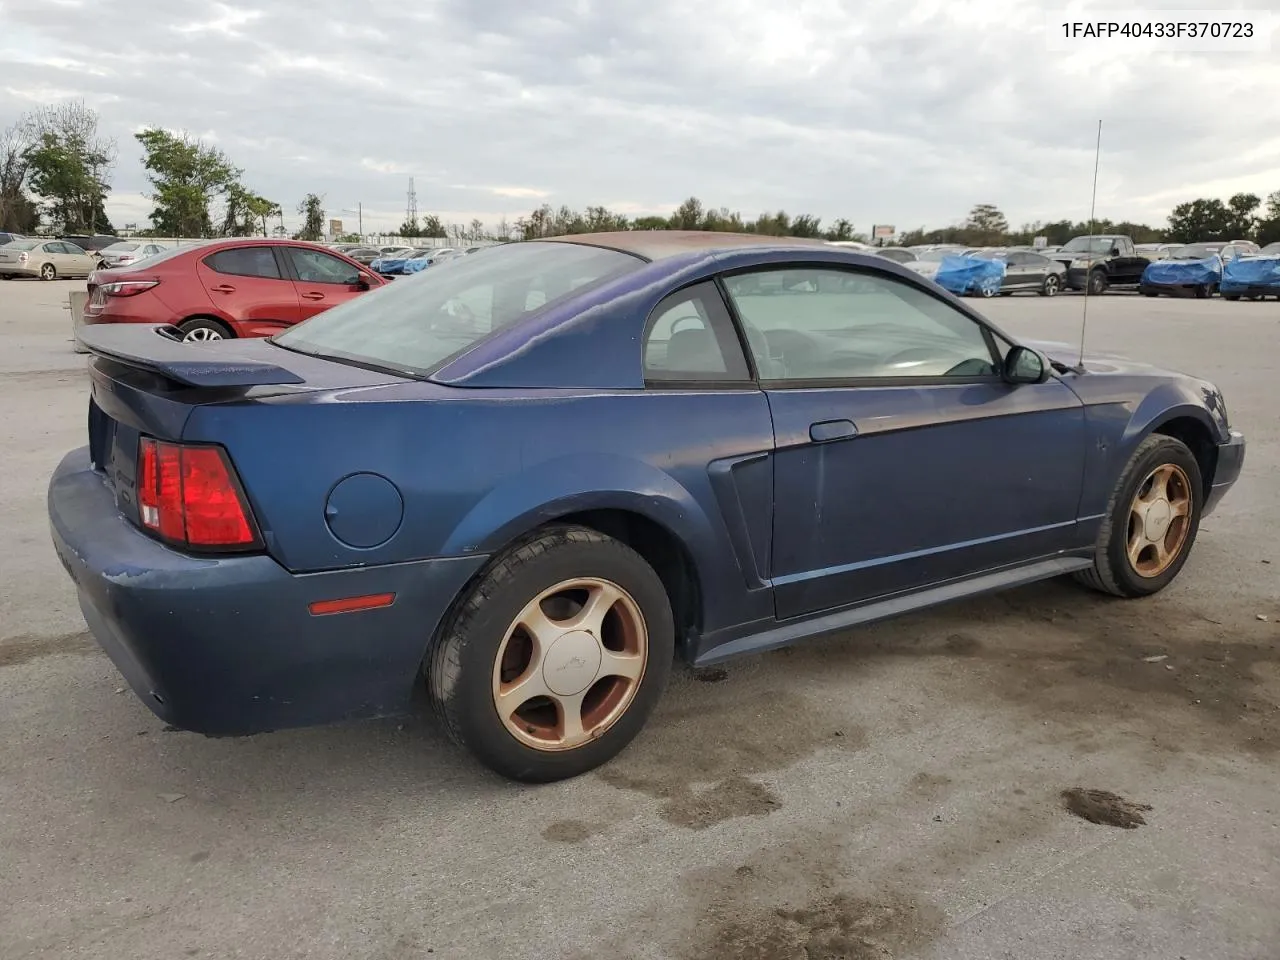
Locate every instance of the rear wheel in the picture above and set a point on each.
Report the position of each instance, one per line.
(1097, 282)
(556, 658)
(1148, 292)
(202, 329)
(1051, 286)
(1151, 521)
(47, 272)
(1231, 296)
(1204, 291)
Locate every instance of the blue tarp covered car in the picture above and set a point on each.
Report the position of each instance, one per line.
(1200, 276)
(1252, 277)
(965, 276)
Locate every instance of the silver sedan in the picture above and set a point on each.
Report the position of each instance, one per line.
(46, 259)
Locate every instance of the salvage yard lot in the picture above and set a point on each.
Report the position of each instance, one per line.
(894, 792)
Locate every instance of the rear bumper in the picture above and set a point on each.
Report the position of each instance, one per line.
(1230, 462)
(227, 645)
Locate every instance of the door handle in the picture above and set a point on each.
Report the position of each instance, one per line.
(832, 430)
(311, 295)
(223, 288)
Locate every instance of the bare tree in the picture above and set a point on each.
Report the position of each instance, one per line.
(17, 211)
(70, 164)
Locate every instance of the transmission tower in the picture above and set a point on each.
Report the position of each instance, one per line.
(411, 208)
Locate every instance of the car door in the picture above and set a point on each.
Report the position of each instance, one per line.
(78, 261)
(1034, 270)
(902, 459)
(248, 286)
(323, 280)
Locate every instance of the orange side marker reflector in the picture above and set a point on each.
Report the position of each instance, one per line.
(350, 604)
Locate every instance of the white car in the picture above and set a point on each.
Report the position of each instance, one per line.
(46, 259)
(128, 252)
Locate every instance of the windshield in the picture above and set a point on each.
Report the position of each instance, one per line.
(1089, 245)
(412, 326)
(937, 256)
(1195, 251)
(898, 256)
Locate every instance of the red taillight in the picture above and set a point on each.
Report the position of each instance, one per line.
(126, 288)
(189, 496)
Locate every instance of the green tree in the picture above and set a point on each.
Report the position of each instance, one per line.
(1269, 225)
(650, 222)
(688, 216)
(19, 213)
(841, 229)
(68, 166)
(806, 225)
(1243, 208)
(1200, 220)
(187, 176)
(410, 228)
(432, 226)
(246, 213)
(312, 210)
(986, 225)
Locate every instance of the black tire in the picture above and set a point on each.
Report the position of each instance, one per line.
(205, 329)
(1148, 292)
(460, 664)
(1204, 291)
(48, 272)
(1231, 296)
(1097, 283)
(1111, 571)
(1051, 286)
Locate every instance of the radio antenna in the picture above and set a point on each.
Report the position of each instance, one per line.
(1093, 206)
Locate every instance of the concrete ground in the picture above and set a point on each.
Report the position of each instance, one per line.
(895, 792)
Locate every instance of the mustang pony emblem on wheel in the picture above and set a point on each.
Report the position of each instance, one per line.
(531, 478)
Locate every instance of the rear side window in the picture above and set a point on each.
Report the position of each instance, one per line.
(245, 262)
(690, 338)
(415, 324)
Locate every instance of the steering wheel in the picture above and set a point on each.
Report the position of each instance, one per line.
(675, 324)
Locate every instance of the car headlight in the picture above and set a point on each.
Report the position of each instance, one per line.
(1078, 263)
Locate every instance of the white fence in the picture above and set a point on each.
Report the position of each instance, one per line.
(372, 240)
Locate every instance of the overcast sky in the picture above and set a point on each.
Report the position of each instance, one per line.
(903, 111)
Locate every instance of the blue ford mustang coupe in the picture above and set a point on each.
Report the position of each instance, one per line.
(530, 478)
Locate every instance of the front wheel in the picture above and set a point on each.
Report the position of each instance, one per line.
(556, 658)
(1051, 286)
(47, 272)
(1097, 283)
(1151, 521)
(1233, 296)
(1204, 291)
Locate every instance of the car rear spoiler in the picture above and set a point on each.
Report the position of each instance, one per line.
(159, 349)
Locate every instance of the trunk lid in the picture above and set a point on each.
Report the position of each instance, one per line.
(143, 382)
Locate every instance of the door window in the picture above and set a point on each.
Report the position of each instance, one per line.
(72, 248)
(245, 262)
(313, 266)
(825, 324)
(690, 337)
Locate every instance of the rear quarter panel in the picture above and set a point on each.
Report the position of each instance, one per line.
(475, 469)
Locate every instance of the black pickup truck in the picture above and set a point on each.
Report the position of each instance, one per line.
(1101, 261)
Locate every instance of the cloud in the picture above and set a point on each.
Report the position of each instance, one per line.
(903, 112)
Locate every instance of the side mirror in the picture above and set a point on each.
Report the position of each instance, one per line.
(1024, 365)
(361, 282)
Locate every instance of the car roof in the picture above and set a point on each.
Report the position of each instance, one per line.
(661, 244)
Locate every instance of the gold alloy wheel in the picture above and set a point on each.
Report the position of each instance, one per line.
(1159, 520)
(570, 664)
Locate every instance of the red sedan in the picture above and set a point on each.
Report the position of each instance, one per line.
(228, 288)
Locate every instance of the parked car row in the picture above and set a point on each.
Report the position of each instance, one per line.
(981, 271)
